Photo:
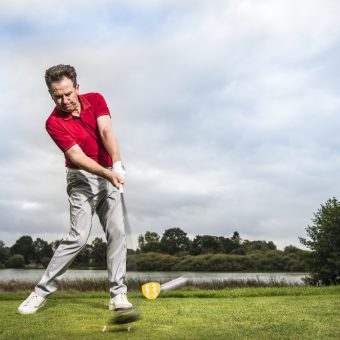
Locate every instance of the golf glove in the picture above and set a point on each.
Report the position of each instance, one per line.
(118, 168)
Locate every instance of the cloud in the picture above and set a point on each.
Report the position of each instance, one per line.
(226, 111)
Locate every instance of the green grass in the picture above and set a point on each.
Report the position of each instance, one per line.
(244, 313)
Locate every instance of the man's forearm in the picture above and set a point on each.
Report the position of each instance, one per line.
(108, 137)
(111, 145)
(86, 163)
(77, 156)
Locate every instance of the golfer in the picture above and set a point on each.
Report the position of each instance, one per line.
(80, 125)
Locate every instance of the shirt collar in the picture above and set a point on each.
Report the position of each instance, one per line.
(85, 104)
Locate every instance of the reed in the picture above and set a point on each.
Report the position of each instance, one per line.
(101, 284)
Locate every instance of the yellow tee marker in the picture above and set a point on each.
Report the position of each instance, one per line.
(151, 290)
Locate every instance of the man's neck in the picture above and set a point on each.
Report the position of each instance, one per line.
(77, 111)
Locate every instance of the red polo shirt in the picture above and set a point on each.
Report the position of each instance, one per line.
(67, 130)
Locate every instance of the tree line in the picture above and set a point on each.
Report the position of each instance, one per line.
(175, 241)
(322, 260)
(175, 251)
(26, 253)
(172, 251)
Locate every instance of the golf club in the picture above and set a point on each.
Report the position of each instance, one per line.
(151, 290)
(125, 315)
(126, 220)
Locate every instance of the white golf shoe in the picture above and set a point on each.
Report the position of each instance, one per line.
(31, 304)
(119, 301)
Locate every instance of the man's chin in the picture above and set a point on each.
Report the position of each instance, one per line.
(67, 109)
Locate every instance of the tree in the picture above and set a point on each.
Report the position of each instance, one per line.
(5, 254)
(258, 245)
(236, 238)
(99, 250)
(24, 247)
(55, 244)
(130, 251)
(84, 257)
(203, 244)
(227, 244)
(42, 249)
(324, 243)
(293, 250)
(174, 240)
(149, 242)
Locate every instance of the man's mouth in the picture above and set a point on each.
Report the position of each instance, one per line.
(68, 106)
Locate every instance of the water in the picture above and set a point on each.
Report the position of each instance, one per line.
(35, 275)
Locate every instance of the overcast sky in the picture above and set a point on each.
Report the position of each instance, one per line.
(227, 111)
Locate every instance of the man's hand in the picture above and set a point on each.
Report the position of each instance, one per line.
(118, 169)
(116, 179)
(77, 156)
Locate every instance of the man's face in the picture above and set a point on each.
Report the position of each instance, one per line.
(65, 95)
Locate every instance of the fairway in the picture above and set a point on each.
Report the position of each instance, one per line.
(247, 313)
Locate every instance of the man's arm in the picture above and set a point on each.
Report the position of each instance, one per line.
(108, 137)
(78, 157)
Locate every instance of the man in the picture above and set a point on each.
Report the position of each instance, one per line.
(80, 125)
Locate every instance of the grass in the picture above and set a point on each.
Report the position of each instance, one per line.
(243, 313)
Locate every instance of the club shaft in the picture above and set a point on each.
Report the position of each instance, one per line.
(127, 226)
(173, 284)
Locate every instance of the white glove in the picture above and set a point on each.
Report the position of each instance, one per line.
(119, 169)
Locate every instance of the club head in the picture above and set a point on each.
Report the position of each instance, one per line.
(123, 316)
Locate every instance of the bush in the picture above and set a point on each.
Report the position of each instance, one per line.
(131, 262)
(155, 261)
(189, 263)
(45, 261)
(16, 261)
(238, 251)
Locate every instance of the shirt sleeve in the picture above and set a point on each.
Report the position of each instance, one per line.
(101, 106)
(60, 135)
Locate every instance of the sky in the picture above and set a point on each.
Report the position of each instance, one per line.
(226, 112)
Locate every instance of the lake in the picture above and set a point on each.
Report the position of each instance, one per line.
(35, 275)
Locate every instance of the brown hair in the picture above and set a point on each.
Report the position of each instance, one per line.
(58, 72)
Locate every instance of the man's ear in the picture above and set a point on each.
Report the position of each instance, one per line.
(77, 88)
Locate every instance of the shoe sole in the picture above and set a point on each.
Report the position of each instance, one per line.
(113, 307)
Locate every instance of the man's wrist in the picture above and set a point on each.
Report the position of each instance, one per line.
(119, 168)
(107, 173)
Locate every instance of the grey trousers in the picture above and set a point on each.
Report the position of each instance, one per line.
(89, 194)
